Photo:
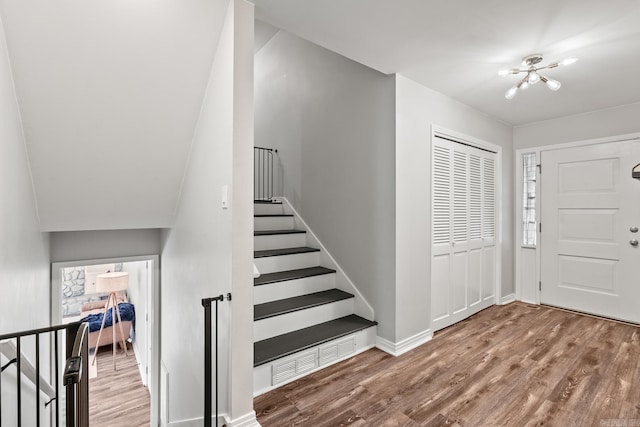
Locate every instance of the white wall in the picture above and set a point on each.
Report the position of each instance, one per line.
(209, 250)
(332, 121)
(597, 124)
(417, 108)
(81, 245)
(138, 296)
(527, 277)
(24, 250)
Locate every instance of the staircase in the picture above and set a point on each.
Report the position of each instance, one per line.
(302, 320)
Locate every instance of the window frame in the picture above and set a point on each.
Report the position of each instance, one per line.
(529, 204)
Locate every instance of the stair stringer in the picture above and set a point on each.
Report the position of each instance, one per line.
(361, 306)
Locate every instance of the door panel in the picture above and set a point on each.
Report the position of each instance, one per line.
(459, 282)
(488, 272)
(475, 270)
(440, 294)
(587, 274)
(589, 203)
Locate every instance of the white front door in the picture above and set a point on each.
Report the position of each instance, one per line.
(590, 207)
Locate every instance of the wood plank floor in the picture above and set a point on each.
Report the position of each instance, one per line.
(513, 365)
(118, 398)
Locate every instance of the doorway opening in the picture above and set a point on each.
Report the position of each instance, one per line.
(129, 381)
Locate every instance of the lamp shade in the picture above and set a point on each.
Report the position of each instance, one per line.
(112, 282)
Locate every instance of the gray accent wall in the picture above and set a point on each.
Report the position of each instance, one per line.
(98, 244)
(332, 121)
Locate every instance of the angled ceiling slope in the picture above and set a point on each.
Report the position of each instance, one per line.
(457, 47)
(109, 92)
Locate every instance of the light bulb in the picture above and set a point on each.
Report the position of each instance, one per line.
(524, 85)
(533, 77)
(569, 61)
(503, 73)
(511, 93)
(553, 84)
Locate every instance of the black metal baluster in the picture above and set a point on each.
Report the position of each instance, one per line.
(206, 303)
(217, 300)
(207, 362)
(0, 398)
(270, 177)
(19, 380)
(57, 385)
(37, 379)
(259, 174)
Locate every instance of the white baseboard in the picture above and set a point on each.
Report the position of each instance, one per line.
(198, 422)
(507, 299)
(248, 420)
(407, 344)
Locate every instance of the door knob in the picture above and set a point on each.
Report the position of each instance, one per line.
(633, 242)
(633, 229)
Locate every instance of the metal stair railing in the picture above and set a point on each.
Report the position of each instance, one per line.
(206, 303)
(11, 346)
(263, 173)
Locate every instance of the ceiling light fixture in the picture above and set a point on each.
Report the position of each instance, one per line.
(532, 73)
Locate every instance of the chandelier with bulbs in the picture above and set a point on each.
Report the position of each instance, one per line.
(532, 73)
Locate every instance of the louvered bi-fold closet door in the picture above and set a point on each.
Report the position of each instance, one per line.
(463, 252)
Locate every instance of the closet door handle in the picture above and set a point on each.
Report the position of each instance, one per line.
(633, 242)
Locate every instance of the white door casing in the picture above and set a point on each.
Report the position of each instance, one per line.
(153, 277)
(589, 202)
(464, 224)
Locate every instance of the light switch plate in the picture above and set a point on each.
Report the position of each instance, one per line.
(225, 197)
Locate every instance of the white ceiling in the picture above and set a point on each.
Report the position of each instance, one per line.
(457, 47)
(110, 92)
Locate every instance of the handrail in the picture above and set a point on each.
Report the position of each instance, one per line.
(8, 348)
(275, 150)
(33, 332)
(75, 379)
(73, 371)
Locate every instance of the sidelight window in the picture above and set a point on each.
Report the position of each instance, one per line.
(529, 199)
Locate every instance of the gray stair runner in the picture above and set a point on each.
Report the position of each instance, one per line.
(268, 350)
(281, 276)
(274, 232)
(302, 302)
(285, 251)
